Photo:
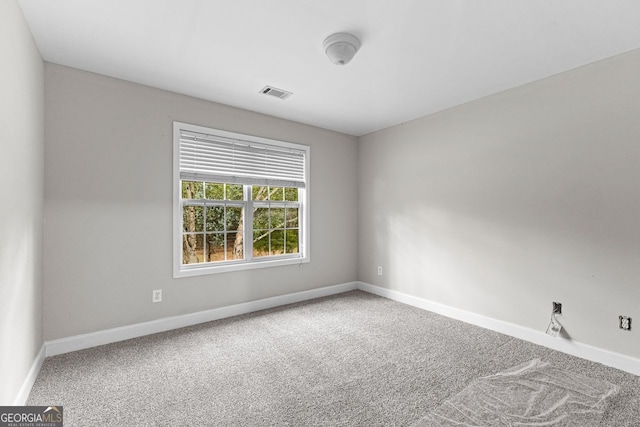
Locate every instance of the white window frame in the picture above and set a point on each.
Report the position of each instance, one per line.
(188, 270)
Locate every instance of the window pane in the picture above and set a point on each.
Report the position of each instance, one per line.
(292, 241)
(292, 246)
(260, 243)
(214, 191)
(276, 193)
(291, 194)
(215, 247)
(259, 193)
(234, 216)
(235, 246)
(277, 242)
(292, 218)
(192, 248)
(192, 190)
(215, 218)
(234, 192)
(277, 218)
(192, 219)
(260, 218)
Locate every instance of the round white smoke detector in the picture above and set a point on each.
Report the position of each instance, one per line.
(341, 47)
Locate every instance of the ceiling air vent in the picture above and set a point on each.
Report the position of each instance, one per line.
(278, 93)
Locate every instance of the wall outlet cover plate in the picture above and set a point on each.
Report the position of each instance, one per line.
(625, 322)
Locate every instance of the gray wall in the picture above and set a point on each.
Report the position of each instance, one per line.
(503, 205)
(21, 192)
(108, 205)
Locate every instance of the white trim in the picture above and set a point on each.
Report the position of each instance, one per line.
(199, 270)
(80, 342)
(616, 360)
(177, 218)
(27, 385)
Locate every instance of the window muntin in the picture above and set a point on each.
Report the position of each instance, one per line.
(242, 221)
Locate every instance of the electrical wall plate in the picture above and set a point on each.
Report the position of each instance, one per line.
(625, 322)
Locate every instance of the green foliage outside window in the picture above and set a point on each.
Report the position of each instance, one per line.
(213, 232)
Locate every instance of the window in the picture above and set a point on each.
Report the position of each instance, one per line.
(239, 201)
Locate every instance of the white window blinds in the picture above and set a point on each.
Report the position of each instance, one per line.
(205, 157)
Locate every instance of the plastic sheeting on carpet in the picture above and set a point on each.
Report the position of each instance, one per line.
(531, 394)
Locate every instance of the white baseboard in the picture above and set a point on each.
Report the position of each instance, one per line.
(80, 342)
(574, 348)
(23, 394)
(108, 336)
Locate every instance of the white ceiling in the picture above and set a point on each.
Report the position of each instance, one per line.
(417, 56)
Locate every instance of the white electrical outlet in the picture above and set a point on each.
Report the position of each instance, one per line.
(157, 295)
(379, 271)
(625, 322)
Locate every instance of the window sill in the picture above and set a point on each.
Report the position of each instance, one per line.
(181, 271)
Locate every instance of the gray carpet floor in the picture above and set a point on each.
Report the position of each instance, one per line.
(353, 359)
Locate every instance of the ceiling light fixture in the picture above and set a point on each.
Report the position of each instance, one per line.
(341, 47)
